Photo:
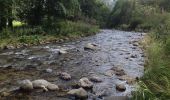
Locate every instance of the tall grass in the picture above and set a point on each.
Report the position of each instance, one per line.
(155, 84)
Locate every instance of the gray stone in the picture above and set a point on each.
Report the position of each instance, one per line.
(62, 51)
(90, 46)
(96, 79)
(48, 70)
(120, 87)
(26, 85)
(45, 85)
(65, 76)
(85, 83)
(81, 93)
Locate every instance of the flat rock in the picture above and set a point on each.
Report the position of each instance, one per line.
(81, 93)
(85, 83)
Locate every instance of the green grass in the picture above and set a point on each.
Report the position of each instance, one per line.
(24, 34)
(155, 84)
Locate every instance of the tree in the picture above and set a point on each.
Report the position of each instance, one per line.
(6, 15)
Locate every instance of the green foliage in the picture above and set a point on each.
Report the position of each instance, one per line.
(68, 27)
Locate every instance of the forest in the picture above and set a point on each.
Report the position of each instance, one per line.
(31, 22)
(25, 23)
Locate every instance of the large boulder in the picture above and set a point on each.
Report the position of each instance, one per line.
(85, 83)
(26, 85)
(81, 93)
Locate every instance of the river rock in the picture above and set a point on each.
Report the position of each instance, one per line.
(65, 76)
(120, 87)
(90, 46)
(45, 85)
(81, 93)
(26, 85)
(109, 73)
(48, 70)
(62, 51)
(40, 84)
(52, 87)
(128, 79)
(135, 44)
(118, 71)
(96, 79)
(85, 83)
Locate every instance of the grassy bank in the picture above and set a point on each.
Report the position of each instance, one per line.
(26, 36)
(155, 84)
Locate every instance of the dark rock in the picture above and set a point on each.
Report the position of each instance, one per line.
(96, 79)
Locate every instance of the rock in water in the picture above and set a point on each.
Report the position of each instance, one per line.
(40, 84)
(118, 71)
(90, 46)
(62, 52)
(52, 87)
(26, 85)
(65, 76)
(45, 85)
(96, 79)
(109, 73)
(48, 70)
(85, 83)
(81, 93)
(120, 87)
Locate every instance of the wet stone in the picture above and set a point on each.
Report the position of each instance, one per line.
(90, 46)
(26, 85)
(81, 93)
(120, 87)
(96, 79)
(85, 83)
(65, 76)
(48, 70)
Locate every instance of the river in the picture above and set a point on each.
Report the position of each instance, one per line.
(115, 48)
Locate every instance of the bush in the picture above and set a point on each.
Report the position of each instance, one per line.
(6, 33)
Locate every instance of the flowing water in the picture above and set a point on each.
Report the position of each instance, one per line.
(115, 49)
